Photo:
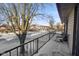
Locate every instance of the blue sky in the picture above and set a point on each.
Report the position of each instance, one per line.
(50, 10)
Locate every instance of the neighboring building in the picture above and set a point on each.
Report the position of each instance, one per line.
(59, 27)
(36, 27)
(7, 28)
(4, 28)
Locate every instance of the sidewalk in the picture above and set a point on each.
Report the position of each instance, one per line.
(53, 48)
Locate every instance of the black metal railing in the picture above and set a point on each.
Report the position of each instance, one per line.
(31, 47)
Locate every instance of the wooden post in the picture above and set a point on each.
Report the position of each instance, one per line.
(76, 37)
(65, 28)
(74, 30)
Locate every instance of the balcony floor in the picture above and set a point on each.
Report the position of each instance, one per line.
(53, 48)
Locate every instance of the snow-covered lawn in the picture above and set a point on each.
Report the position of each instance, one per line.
(10, 40)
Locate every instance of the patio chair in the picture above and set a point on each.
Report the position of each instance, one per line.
(61, 37)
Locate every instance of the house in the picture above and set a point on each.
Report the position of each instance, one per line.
(69, 14)
(36, 27)
(4, 28)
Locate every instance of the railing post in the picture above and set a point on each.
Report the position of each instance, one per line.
(9, 53)
(30, 48)
(17, 51)
(27, 49)
(0, 54)
(49, 35)
(33, 46)
(37, 44)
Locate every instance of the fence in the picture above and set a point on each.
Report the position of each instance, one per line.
(31, 47)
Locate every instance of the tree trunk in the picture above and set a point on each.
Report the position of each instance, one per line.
(22, 40)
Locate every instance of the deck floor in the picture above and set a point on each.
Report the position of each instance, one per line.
(53, 48)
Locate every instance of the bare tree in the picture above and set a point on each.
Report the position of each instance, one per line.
(20, 16)
(58, 26)
(51, 22)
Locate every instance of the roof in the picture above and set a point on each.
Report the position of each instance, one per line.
(64, 10)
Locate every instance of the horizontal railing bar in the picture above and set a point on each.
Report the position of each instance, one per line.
(23, 44)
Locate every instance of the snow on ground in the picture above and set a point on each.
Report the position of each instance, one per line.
(10, 40)
(10, 36)
(59, 32)
(53, 48)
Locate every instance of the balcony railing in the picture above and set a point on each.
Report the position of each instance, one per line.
(31, 47)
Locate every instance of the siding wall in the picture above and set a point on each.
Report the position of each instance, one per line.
(70, 29)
